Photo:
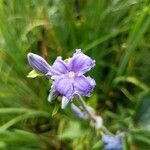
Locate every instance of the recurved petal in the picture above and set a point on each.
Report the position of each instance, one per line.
(80, 62)
(38, 63)
(84, 85)
(59, 67)
(64, 86)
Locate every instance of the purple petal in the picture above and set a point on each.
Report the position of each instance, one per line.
(59, 67)
(107, 138)
(112, 142)
(38, 63)
(81, 63)
(64, 86)
(84, 85)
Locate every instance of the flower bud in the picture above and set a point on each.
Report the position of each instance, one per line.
(38, 63)
(98, 122)
(78, 112)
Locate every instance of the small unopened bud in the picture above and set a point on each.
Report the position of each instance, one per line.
(78, 112)
(98, 123)
(38, 63)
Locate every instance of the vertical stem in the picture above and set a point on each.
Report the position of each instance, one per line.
(106, 131)
(82, 103)
(91, 116)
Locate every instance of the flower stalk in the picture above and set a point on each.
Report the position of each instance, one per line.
(82, 103)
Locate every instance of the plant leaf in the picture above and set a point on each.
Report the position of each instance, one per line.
(142, 116)
(33, 74)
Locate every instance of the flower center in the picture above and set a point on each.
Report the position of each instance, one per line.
(71, 74)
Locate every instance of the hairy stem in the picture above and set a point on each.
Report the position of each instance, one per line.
(82, 103)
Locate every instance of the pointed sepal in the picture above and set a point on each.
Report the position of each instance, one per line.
(52, 95)
(64, 102)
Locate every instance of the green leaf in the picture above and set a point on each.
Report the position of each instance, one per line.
(73, 130)
(142, 116)
(125, 143)
(33, 25)
(55, 110)
(34, 74)
(141, 139)
(140, 27)
(132, 80)
(98, 145)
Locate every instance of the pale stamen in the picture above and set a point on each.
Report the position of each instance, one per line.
(71, 74)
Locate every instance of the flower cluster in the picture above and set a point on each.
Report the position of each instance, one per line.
(68, 76)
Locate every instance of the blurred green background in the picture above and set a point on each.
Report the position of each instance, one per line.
(116, 33)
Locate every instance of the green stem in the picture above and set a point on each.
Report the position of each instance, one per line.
(91, 116)
(82, 103)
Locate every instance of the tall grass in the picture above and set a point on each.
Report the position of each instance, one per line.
(114, 32)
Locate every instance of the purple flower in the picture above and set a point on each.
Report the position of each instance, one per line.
(68, 75)
(112, 142)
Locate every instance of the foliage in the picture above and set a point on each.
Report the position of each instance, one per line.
(114, 32)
